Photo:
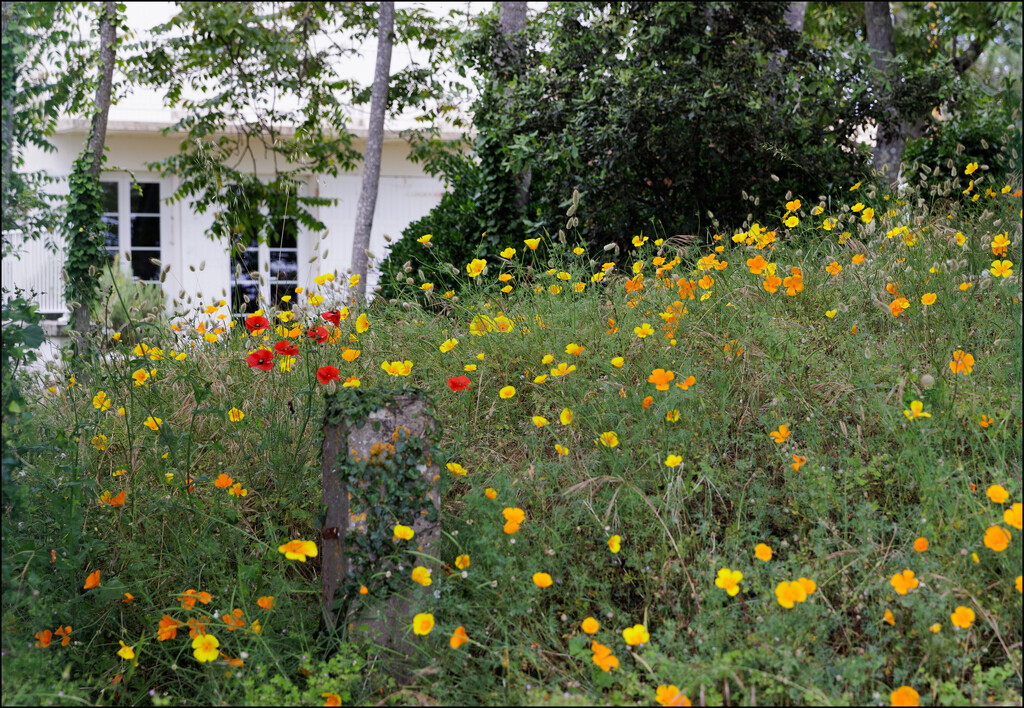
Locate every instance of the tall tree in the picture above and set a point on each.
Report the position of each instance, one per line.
(891, 135)
(374, 145)
(509, 57)
(85, 249)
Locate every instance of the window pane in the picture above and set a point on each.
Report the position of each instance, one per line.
(142, 266)
(146, 231)
(111, 235)
(148, 201)
(283, 234)
(284, 265)
(109, 196)
(245, 265)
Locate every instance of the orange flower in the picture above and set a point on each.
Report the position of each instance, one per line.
(189, 597)
(223, 481)
(64, 632)
(44, 637)
(590, 625)
(997, 538)
(985, 421)
(687, 382)
(196, 627)
(331, 699)
(798, 461)
(647, 402)
(266, 602)
(962, 362)
(168, 628)
(234, 620)
(458, 637)
(962, 617)
(603, 657)
(921, 544)
(897, 306)
(905, 696)
(772, 283)
(1012, 516)
(904, 582)
(671, 696)
(780, 435)
(93, 581)
(661, 379)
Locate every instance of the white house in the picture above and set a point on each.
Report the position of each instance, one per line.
(145, 226)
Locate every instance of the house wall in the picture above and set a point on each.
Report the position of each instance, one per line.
(405, 194)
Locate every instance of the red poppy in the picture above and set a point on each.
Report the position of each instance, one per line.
(320, 334)
(332, 316)
(326, 374)
(286, 348)
(458, 383)
(256, 322)
(262, 359)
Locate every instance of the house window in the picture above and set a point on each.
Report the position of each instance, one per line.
(131, 214)
(265, 271)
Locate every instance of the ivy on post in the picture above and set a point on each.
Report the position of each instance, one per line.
(380, 470)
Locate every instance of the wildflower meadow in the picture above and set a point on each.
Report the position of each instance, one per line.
(779, 466)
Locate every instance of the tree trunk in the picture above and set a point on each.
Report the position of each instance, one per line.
(374, 145)
(98, 133)
(513, 21)
(891, 136)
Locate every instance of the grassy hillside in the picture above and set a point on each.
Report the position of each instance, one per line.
(782, 469)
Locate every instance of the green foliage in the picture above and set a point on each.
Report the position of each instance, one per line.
(86, 243)
(22, 336)
(46, 73)
(337, 675)
(124, 301)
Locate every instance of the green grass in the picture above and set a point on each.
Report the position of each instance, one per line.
(872, 482)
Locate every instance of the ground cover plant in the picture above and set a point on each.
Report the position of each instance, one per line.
(782, 467)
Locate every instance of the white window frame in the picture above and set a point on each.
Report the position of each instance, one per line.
(124, 182)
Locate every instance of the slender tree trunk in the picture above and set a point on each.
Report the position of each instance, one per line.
(98, 133)
(374, 145)
(513, 21)
(891, 137)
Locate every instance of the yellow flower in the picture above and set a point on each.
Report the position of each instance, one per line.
(636, 635)
(456, 469)
(673, 461)
(298, 550)
(204, 647)
(476, 267)
(831, 313)
(153, 423)
(609, 439)
(935, 628)
(101, 402)
(763, 552)
(235, 415)
(928, 299)
(425, 238)
(788, 593)
(397, 368)
(562, 369)
(421, 575)
(540, 421)
(643, 330)
(462, 561)
(867, 215)
(542, 580)
(427, 286)
(962, 617)
(508, 253)
(615, 543)
(362, 323)
(729, 580)
(1001, 269)
(792, 221)
(971, 168)
(126, 652)
(618, 361)
(590, 625)
(780, 435)
(565, 417)
(403, 533)
(532, 243)
(888, 617)
(574, 349)
(1012, 516)
(423, 623)
(507, 391)
(916, 411)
